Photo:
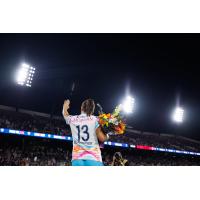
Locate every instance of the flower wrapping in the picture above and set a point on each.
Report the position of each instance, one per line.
(112, 123)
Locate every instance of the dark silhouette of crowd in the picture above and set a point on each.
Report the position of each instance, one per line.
(157, 140)
(28, 122)
(29, 151)
(46, 152)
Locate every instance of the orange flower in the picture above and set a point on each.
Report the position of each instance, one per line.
(122, 126)
(108, 115)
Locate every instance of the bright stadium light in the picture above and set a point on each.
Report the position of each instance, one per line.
(128, 104)
(25, 75)
(178, 115)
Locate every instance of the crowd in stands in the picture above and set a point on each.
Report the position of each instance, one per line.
(28, 151)
(20, 151)
(30, 122)
(158, 140)
(27, 122)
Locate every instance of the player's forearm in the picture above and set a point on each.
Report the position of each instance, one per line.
(65, 108)
(103, 137)
(65, 113)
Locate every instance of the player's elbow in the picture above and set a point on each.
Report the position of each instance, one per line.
(101, 136)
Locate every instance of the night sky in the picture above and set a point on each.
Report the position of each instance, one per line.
(156, 69)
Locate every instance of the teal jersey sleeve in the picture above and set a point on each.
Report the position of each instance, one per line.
(96, 124)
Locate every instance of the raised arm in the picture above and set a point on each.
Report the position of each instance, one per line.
(102, 137)
(65, 108)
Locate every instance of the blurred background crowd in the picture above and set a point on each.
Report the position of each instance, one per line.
(20, 150)
(28, 151)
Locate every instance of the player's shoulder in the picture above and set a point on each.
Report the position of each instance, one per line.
(72, 117)
(86, 116)
(94, 117)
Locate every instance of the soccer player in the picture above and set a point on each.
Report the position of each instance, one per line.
(85, 133)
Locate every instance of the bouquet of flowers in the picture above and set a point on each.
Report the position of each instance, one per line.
(112, 123)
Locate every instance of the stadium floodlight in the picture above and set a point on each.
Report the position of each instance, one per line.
(128, 104)
(178, 115)
(25, 75)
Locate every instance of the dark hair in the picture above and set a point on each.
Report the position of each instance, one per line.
(88, 106)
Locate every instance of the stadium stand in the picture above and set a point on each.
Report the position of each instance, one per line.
(32, 121)
(26, 151)
(40, 152)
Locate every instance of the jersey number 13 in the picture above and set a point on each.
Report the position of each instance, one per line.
(83, 133)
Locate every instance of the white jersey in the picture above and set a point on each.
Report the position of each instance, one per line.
(85, 142)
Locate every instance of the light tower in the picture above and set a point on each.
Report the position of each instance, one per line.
(25, 75)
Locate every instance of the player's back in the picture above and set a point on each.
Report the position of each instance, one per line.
(85, 142)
